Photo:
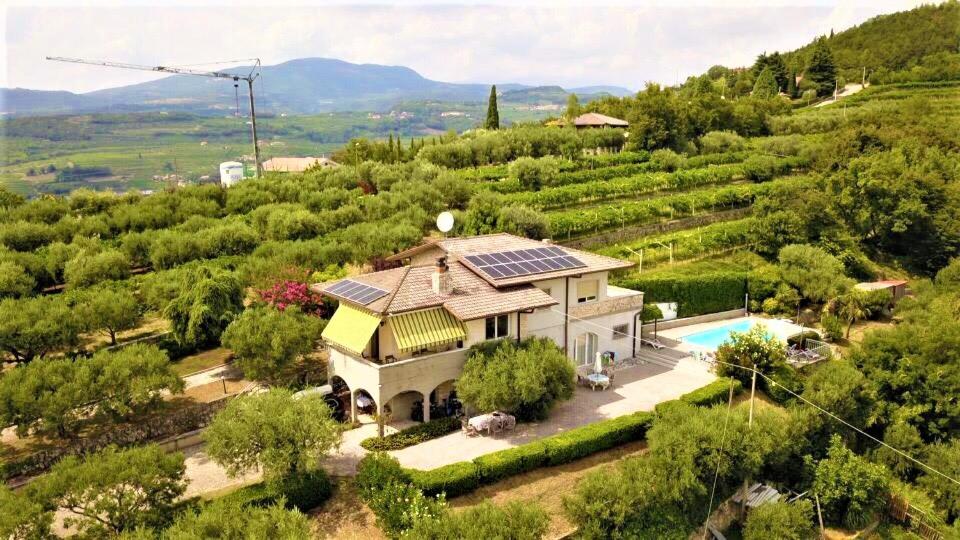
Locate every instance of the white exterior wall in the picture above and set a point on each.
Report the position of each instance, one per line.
(426, 373)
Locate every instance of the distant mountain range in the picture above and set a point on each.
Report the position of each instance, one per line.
(302, 86)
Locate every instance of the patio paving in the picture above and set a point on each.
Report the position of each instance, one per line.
(637, 388)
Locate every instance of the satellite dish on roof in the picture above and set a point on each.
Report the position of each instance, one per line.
(445, 222)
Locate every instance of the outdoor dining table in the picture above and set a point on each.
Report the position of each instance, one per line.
(598, 379)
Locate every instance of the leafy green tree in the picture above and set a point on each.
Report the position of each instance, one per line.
(821, 69)
(32, 327)
(275, 431)
(23, 519)
(110, 310)
(792, 85)
(525, 379)
(780, 520)
(14, 280)
(493, 114)
(209, 300)
(9, 199)
(513, 521)
(944, 457)
(818, 275)
(749, 349)
(535, 173)
(113, 490)
(85, 269)
(906, 438)
(45, 396)
(852, 490)
(573, 107)
(483, 213)
(524, 221)
(266, 341)
(131, 380)
(837, 386)
(766, 85)
(228, 520)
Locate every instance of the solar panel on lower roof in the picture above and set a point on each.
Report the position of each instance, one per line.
(355, 291)
(523, 262)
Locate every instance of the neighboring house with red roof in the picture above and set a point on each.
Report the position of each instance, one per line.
(401, 335)
(597, 120)
(897, 288)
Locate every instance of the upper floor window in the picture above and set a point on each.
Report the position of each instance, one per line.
(498, 327)
(587, 290)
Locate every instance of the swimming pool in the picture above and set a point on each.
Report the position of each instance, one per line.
(713, 338)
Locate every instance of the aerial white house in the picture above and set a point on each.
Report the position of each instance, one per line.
(231, 172)
(400, 336)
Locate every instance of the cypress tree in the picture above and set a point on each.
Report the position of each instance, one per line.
(390, 154)
(573, 106)
(821, 70)
(792, 85)
(493, 115)
(766, 85)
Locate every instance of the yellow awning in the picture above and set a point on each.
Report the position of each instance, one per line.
(351, 328)
(422, 329)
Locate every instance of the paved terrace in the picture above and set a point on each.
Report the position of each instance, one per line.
(667, 374)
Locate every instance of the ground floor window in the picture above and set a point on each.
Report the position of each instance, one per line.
(498, 327)
(585, 348)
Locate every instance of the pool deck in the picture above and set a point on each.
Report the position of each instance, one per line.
(780, 328)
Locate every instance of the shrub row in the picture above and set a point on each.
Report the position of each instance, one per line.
(578, 221)
(412, 435)
(303, 492)
(713, 393)
(465, 476)
(694, 294)
(687, 244)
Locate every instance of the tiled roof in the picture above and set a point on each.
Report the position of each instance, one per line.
(410, 288)
(459, 247)
(597, 119)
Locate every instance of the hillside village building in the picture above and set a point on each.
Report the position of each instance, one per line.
(401, 335)
(296, 164)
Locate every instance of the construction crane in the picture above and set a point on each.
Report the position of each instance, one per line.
(250, 77)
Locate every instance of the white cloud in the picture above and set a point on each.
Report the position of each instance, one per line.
(538, 43)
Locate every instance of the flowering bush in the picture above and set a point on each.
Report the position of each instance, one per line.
(293, 293)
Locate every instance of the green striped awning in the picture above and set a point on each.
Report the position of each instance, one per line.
(351, 328)
(422, 329)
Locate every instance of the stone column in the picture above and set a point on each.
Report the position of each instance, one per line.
(426, 408)
(353, 406)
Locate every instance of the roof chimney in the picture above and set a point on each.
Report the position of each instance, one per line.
(442, 280)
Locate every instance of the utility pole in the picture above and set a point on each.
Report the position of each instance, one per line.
(250, 77)
(823, 532)
(746, 481)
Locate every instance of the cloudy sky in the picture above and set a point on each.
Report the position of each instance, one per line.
(537, 42)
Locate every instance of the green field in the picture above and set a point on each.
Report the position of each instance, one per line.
(141, 146)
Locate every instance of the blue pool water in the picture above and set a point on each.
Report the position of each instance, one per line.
(714, 337)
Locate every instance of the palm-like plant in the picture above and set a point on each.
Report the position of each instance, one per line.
(853, 307)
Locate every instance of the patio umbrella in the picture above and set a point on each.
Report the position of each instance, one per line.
(598, 364)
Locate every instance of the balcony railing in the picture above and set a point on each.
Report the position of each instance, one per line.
(622, 300)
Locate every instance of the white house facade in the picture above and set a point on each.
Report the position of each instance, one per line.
(401, 336)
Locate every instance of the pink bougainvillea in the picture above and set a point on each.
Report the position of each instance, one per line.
(293, 293)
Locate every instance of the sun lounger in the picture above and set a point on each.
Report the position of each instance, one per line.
(653, 343)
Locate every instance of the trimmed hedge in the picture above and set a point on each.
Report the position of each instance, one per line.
(412, 435)
(454, 479)
(303, 492)
(713, 393)
(694, 294)
(465, 476)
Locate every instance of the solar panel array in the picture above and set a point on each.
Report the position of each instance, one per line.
(357, 292)
(524, 262)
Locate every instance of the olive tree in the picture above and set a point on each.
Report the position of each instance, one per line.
(818, 275)
(21, 518)
(32, 327)
(15, 281)
(851, 489)
(275, 431)
(110, 310)
(229, 520)
(266, 340)
(114, 490)
(88, 269)
(526, 379)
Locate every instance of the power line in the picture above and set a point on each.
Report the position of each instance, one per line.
(791, 392)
